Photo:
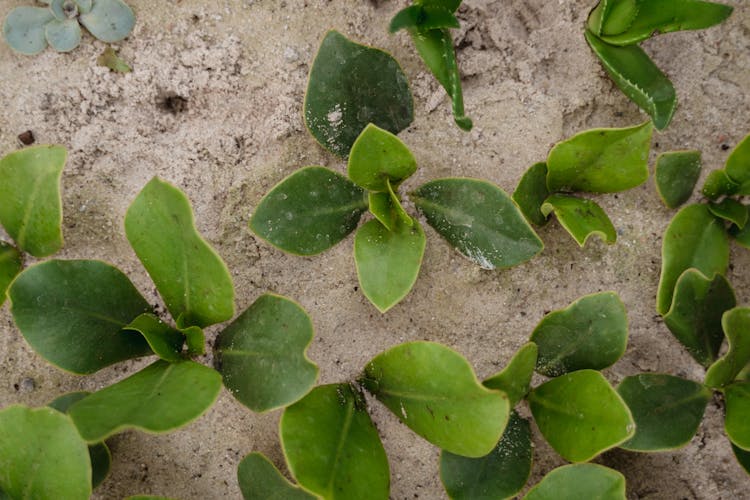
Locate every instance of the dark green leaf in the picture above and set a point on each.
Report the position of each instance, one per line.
(531, 193)
(741, 236)
(165, 341)
(377, 157)
(718, 184)
(423, 17)
(676, 175)
(738, 163)
(11, 263)
(737, 421)
(579, 481)
(742, 456)
(110, 59)
(260, 480)
(581, 218)
(515, 379)
(736, 325)
(730, 210)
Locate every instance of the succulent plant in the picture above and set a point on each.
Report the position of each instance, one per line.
(28, 30)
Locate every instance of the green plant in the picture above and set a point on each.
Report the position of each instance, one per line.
(315, 208)
(29, 30)
(614, 29)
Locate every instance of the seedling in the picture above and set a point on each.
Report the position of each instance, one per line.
(29, 30)
(614, 29)
(315, 208)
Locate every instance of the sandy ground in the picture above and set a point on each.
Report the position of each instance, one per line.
(240, 69)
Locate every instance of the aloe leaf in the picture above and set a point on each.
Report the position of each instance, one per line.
(332, 447)
(433, 390)
(667, 410)
(600, 160)
(43, 455)
(578, 481)
(531, 193)
(693, 239)
(72, 314)
(581, 218)
(581, 415)
(260, 480)
(24, 29)
(500, 474)
(350, 86)
(423, 17)
(695, 316)
(189, 274)
(515, 379)
(612, 17)
(63, 36)
(109, 20)
(110, 59)
(30, 205)
(388, 262)
(719, 184)
(165, 341)
(309, 211)
(638, 77)
(11, 263)
(736, 422)
(676, 174)
(730, 210)
(262, 354)
(736, 325)
(377, 157)
(479, 220)
(592, 332)
(742, 456)
(159, 398)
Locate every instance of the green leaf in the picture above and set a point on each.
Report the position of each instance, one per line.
(500, 474)
(309, 211)
(195, 340)
(600, 160)
(693, 239)
(110, 59)
(676, 174)
(479, 220)
(578, 481)
(260, 480)
(730, 210)
(11, 263)
(386, 207)
(581, 415)
(695, 316)
(72, 314)
(159, 398)
(736, 325)
(581, 218)
(718, 184)
(449, 5)
(378, 156)
(531, 193)
(638, 77)
(592, 332)
(738, 163)
(741, 236)
(423, 17)
(612, 16)
(667, 410)
(165, 341)
(24, 29)
(433, 390)
(189, 274)
(742, 456)
(388, 262)
(262, 357)
(63, 36)
(109, 20)
(515, 379)
(30, 205)
(332, 447)
(350, 86)
(737, 423)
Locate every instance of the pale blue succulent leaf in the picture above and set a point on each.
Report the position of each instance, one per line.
(109, 20)
(84, 6)
(64, 9)
(24, 29)
(63, 36)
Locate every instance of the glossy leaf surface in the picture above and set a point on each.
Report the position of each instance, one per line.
(730, 210)
(109, 20)
(260, 480)
(11, 263)
(736, 423)
(580, 217)
(515, 379)
(165, 341)
(736, 325)
(531, 193)
(676, 175)
(24, 29)
(738, 163)
(377, 157)
(578, 481)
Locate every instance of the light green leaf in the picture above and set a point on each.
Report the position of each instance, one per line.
(581, 218)
(579, 481)
(195, 340)
(433, 390)
(377, 157)
(742, 456)
(110, 59)
(30, 205)
(159, 398)
(730, 210)
(260, 480)
(738, 163)
(309, 211)
(676, 175)
(736, 325)
(261, 355)
(581, 415)
(63, 36)
(718, 184)
(479, 220)
(165, 341)
(109, 20)
(72, 314)
(24, 29)
(531, 193)
(11, 263)
(612, 16)
(332, 447)
(737, 423)
(386, 207)
(423, 17)
(600, 160)
(449, 5)
(515, 379)
(189, 274)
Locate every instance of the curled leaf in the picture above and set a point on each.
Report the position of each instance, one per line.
(532, 192)
(719, 184)
(581, 218)
(736, 324)
(515, 379)
(165, 341)
(730, 210)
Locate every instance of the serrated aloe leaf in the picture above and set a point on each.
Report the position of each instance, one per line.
(738, 163)
(109, 20)
(736, 422)
(581, 415)
(309, 211)
(110, 59)
(43, 455)
(592, 332)
(500, 474)
(531, 193)
(736, 325)
(638, 77)
(436, 49)
(693, 239)
(433, 390)
(423, 17)
(165, 341)
(159, 398)
(611, 17)
(23, 29)
(718, 184)
(63, 36)
(742, 456)
(332, 447)
(581, 218)
(600, 160)
(189, 274)
(515, 379)
(388, 262)
(667, 410)
(72, 314)
(479, 220)
(676, 174)
(195, 340)
(260, 480)
(730, 210)
(695, 316)
(350, 86)
(30, 205)
(11, 263)
(261, 355)
(578, 481)
(377, 157)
